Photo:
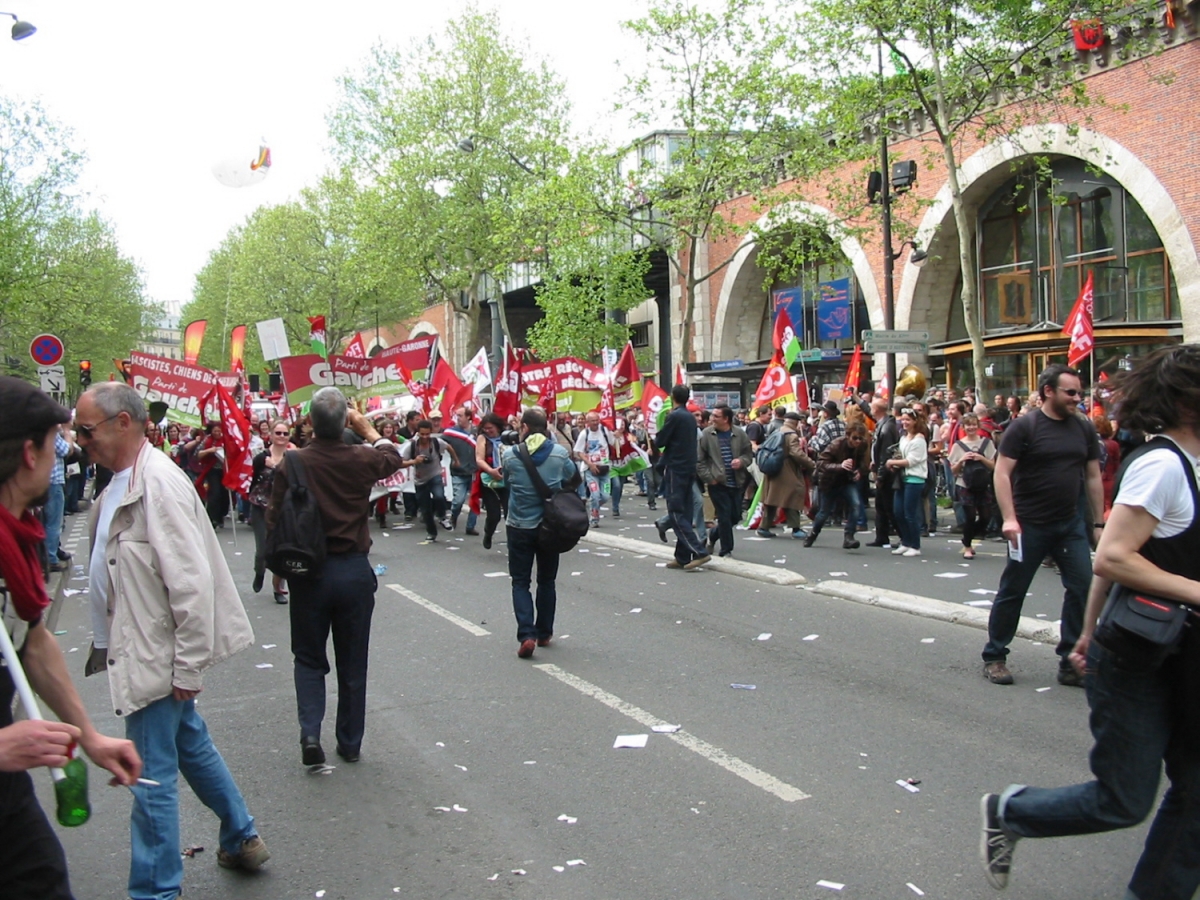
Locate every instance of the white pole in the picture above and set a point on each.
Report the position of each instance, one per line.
(22, 684)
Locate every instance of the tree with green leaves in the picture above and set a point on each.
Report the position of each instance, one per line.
(455, 139)
(984, 68)
(729, 89)
(304, 258)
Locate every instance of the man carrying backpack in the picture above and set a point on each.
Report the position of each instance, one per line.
(425, 452)
(526, 506)
(785, 488)
(342, 598)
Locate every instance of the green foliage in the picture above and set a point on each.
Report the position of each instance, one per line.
(61, 270)
(299, 259)
(578, 306)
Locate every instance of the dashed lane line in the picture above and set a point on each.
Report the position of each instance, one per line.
(730, 763)
(438, 610)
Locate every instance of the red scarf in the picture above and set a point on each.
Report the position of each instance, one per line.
(20, 563)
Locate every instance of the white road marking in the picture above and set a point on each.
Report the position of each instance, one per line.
(444, 613)
(730, 763)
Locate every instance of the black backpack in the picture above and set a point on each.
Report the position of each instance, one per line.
(564, 516)
(771, 454)
(975, 475)
(296, 545)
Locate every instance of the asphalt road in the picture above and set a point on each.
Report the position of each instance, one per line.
(763, 794)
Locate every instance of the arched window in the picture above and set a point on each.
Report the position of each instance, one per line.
(1039, 238)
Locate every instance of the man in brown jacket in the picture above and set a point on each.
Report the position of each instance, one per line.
(788, 489)
(840, 467)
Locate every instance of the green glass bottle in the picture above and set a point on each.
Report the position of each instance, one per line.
(72, 794)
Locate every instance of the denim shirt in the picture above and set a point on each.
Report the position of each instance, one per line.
(555, 466)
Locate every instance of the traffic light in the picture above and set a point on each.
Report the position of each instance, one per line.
(85, 372)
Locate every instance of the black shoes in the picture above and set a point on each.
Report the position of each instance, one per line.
(1068, 677)
(849, 543)
(487, 540)
(662, 531)
(350, 756)
(311, 753)
(258, 581)
(811, 539)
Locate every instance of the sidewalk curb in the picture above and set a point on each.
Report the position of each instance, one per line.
(913, 604)
(931, 608)
(756, 571)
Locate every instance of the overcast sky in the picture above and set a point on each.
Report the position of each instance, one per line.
(157, 92)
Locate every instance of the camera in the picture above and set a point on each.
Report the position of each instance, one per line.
(510, 438)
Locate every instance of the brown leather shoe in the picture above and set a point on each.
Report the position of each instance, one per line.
(997, 672)
(545, 641)
(526, 649)
(674, 564)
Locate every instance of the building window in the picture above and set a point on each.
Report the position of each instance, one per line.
(1039, 239)
(639, 334)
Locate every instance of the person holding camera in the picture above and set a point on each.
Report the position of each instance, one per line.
(535, 619)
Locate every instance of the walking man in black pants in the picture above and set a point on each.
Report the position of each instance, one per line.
(887, 437)
(677, 440)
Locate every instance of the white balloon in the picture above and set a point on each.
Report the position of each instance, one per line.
(245, 170)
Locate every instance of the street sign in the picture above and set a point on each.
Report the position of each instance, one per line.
(896, 336)
(46, 350)
(53, 379)
(808, 356)
(719, 364)
(878, 346)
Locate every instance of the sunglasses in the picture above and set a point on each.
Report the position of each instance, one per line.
(280, 433)
(88, 431)
(1070, 392)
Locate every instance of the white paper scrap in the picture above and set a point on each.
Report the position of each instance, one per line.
(439, 744)
(264, 666)
(458, 808)
(765, 636)
(442, 808)
(490, 878)
(810, 637)
(457, 766)
(636, 609)
(838, 574)
(70, 592)
(576, 862)
(983, 591)
(531, 762)
(576, 574)
(927, 640)
(269, 646)
(832, 885)
(665, 729)
(980, 603)
(559, 868)
(1042, 690)
(632, 741)
(237, 552)
(780, 562)
(570, 820)
(598, 553)
(916, 890)
(950, 575)
(495, 574)
(518, 871)
(584, 550)
(320, 893)
(911, 788)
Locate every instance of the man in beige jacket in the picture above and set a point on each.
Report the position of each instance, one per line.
(170, 610)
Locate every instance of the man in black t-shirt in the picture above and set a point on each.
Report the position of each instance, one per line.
(677, 439)
(1047, 460)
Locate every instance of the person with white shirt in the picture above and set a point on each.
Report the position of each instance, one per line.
(911, 466)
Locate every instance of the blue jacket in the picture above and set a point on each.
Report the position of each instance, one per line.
(553, 463)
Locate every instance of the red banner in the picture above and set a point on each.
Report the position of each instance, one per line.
(235, 438)
(654, 401)
(180, 385)
(1079, 325)
(508, 385)
(193, 337)
(776, 385)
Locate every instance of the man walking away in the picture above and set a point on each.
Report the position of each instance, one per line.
(677, 439)
(31, 858)
(723, 464)
(535, 618)
(168, 610)
(1047, 458)
(340, 477)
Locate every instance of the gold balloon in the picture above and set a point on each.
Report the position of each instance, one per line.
(911, 380)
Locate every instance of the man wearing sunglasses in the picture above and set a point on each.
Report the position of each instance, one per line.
(1048, 467)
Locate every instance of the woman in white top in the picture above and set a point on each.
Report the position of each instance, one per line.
(912, 468)
(973, 482)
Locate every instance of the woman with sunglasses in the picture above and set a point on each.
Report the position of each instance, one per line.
(912, 468)
(260, 495)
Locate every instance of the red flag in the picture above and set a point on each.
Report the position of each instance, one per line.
(356, 349)
(237, 349)
(235, 440)
(680, 373)
(193, 337)
(776, 385)
(508, 385)
(802, 394)
(627, 380)
(854, 373)
(608, 409)
(654, 400)
(1079, 325)
(446, 383)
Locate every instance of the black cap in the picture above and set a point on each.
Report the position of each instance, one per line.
(831, 408)
(26, 411)
(792, 416)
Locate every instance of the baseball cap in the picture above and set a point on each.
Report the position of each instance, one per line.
(831, 408)
(28, 411)
(792, 416)
(435, 414)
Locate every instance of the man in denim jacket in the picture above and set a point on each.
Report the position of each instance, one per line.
(525, 507)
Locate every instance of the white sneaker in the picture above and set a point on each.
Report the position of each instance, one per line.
(909, 551)
(899, 551)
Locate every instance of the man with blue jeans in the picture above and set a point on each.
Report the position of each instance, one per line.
(165, 606)
(52, 511)
(678, 441)
(1047, 458)
(840, 467)
(535, 619)
(595, 449)
(462, 473)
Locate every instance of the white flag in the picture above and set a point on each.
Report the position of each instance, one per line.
(477, 373)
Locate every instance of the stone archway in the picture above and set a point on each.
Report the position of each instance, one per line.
(924, 295)
(738, 324)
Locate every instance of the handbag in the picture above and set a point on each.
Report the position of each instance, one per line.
(1143, 630)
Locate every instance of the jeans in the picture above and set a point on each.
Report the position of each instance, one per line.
(652, 485)
(341, 600)
(907, 508)
(681, 493)
(1067, 543)
(727, 504)
(431, 501)
(849, 493)
(535, 618)
(52, 515)
(462, 490)
(171, 738)
(616, 489)
(596, 487)
(1136, 722)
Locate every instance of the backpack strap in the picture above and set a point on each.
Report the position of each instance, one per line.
(539, 483)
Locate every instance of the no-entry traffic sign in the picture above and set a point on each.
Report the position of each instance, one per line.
(46, 350)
